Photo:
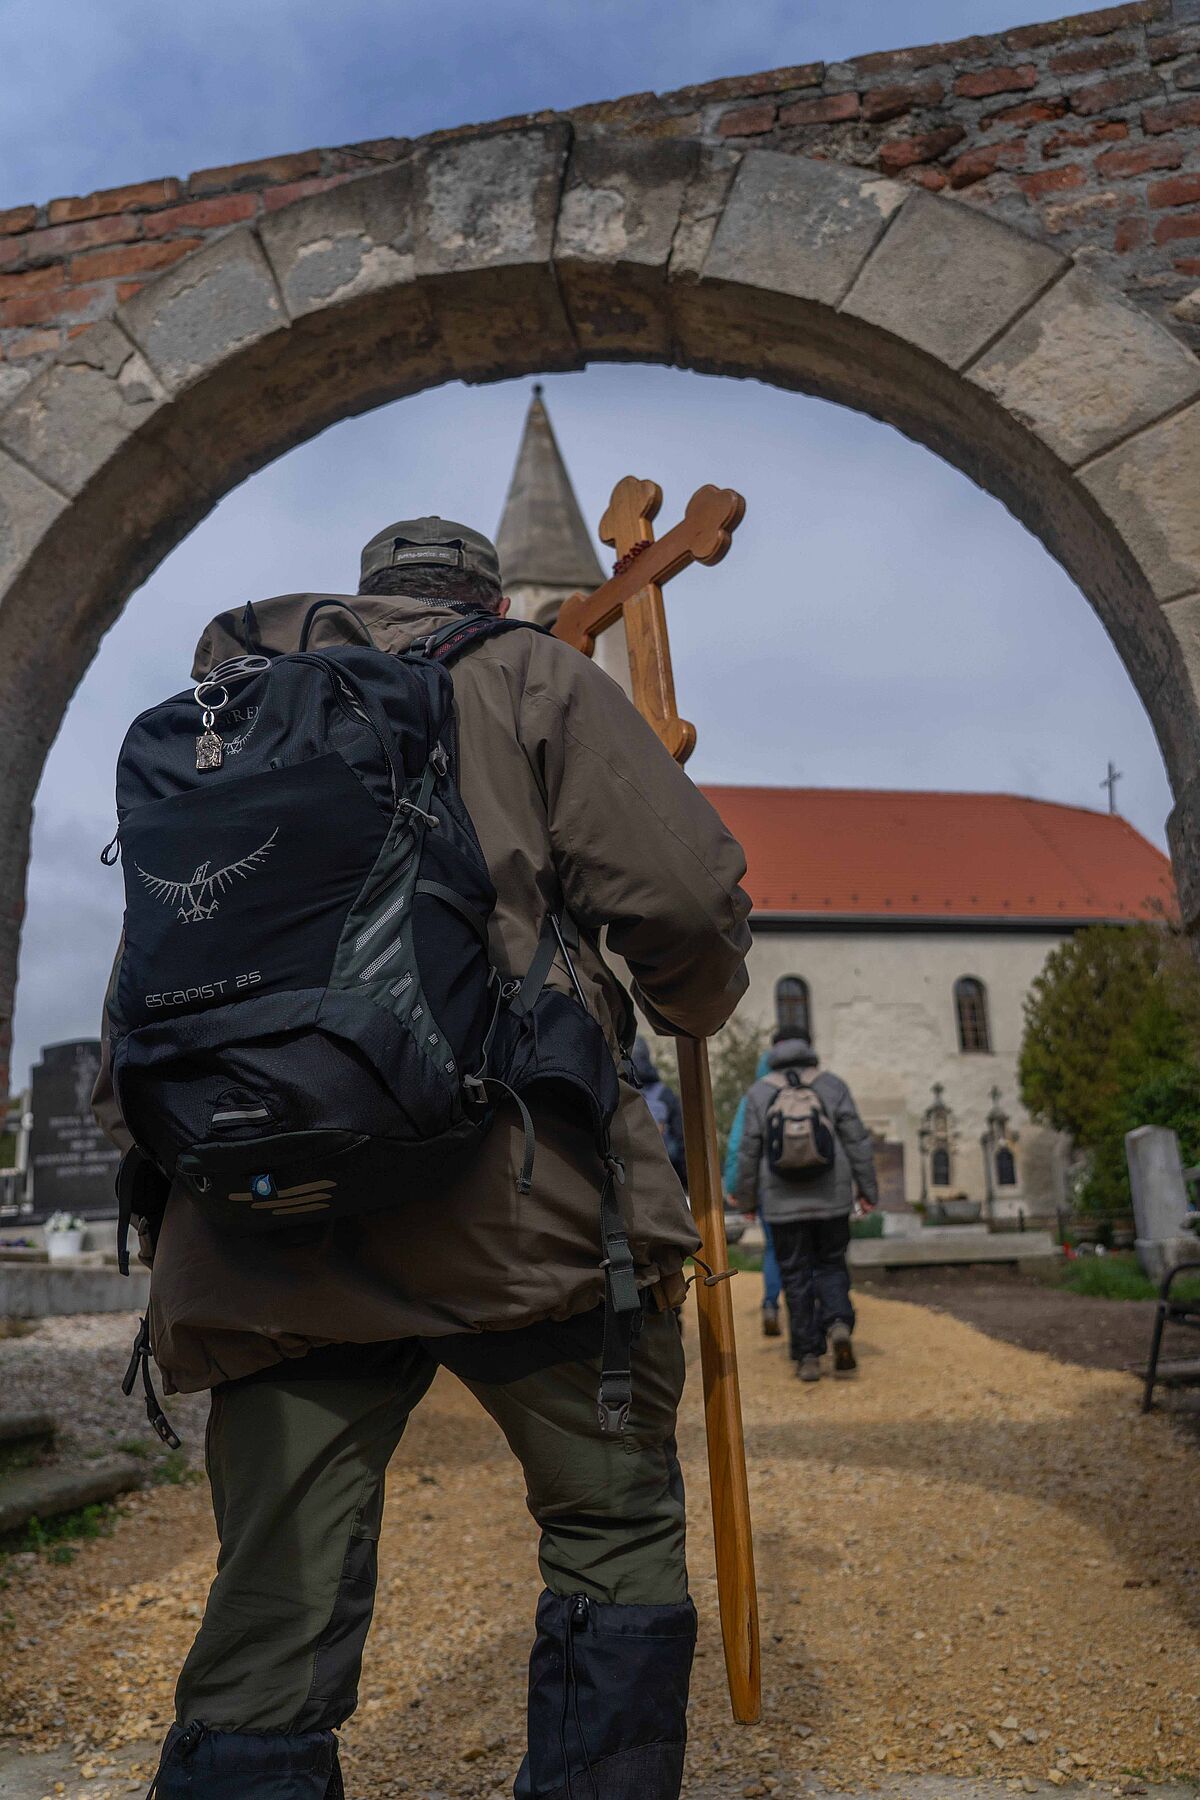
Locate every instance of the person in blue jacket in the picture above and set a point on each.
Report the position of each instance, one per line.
(772, 1279)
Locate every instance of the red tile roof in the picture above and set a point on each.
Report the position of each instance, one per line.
(860, 852)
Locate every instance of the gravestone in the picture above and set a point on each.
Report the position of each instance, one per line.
(1160, 1200)
(74, 1166)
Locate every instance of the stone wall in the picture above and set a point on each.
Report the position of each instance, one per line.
(1084, 132)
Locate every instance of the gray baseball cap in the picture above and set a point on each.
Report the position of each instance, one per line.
(422, 543)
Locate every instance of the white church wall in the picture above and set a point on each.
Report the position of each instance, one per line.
(883, 1017)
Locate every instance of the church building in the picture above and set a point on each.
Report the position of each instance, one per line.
(899, 931)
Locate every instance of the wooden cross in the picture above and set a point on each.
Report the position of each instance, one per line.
(635, 591)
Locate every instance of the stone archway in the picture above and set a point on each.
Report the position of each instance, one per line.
(505, 253)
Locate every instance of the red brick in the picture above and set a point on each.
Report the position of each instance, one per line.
(1138, 159)
(976, 165)
(1122, 90)
(63, 240)
(1131, 233)
(890, 102)
(17, 218)
(1084, 25)
(1159, 119)
(127, 289)
(262, 173)
(1188, 265)
(927, 147)
(202, 215)
(1176, 190)
(276, 197)
(820, 112)
(114, 200)
(1170, 44)
(1026, 112)
(56, 303)
(34, 343)
(1085, 59)
(743, 121)
(924, 176)
(32, 281)
(982, 82)
(1052, 181)
(1177, 225)
(1109, 131)
(130, 259)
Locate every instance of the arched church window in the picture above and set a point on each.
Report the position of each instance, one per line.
(1006, 1167)
(791, 1006)
(939, 1167)
(970, 1007)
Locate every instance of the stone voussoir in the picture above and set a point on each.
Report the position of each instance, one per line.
(799, 226)
(348, 241)
(1147, 487)
(1084, 368)
(220, 300)
(80, 410)
(948, 280)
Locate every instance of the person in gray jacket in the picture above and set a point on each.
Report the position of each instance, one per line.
(809, 1215)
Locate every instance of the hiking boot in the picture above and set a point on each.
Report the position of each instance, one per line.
(844, 1360)
(809, 1368)
(770, 1317)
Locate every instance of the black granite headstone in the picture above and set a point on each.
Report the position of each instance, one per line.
(74, 1165)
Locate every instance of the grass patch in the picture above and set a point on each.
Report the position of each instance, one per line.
(748, 1261)
(58, 1539)
(175, 1470)
(1117, 1277)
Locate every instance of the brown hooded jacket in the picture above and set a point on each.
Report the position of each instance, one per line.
(577, 805)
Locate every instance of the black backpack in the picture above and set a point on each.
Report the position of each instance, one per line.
(305, 1023)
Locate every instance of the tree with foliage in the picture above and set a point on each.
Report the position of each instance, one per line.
(1110, 1044)
(735, 1054)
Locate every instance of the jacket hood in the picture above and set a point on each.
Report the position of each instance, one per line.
(274, 625)
(792, 1053)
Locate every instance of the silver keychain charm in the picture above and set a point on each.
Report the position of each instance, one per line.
(210, 751)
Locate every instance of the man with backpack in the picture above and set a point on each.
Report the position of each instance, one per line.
(804, 1151)
(385, 1123)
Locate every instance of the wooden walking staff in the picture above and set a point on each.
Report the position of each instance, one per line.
(635, 591)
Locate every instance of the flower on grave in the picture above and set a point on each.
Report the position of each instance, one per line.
(63, 1221)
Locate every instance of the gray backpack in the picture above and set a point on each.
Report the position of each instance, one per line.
(799, 1132)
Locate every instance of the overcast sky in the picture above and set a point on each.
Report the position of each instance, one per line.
(879, 622)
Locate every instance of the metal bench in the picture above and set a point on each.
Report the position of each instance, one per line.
(1173, 1311)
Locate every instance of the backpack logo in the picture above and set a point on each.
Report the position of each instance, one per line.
(199, 898)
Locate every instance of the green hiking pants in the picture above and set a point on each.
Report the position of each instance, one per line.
(297, 1457)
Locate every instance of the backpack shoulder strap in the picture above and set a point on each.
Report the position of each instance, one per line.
(454, 640)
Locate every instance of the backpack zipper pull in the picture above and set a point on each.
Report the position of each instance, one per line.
(112, 849)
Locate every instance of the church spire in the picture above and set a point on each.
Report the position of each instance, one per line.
(545, 550)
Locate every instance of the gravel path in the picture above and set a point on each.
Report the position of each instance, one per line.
(73, 1366)
(973, 1561)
